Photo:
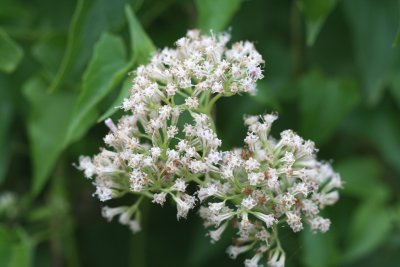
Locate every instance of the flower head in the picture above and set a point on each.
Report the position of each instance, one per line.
(167, 142)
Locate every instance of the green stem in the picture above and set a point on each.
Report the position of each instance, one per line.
(138, 242)
(212, 102)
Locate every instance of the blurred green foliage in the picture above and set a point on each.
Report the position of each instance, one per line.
(332, 73)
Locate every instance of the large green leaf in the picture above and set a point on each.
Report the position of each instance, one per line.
(47, 127)
(381, 128)
(215, 14)
(106, 69)
(10, 53)
(16, 247)
(142, 47)
(6, 240)
(315, 13)
(49, 52)
(324, 104)
(370, 226)
(22, 255)
(66, 117)
(373, 24)
(91, 18)
(361, 177)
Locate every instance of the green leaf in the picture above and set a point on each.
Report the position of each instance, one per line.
(90, 19)
(142, 47)
(16, 247)
(64, 117)
(48, 122)
(361, 178)
(215, 14)
(319, 249)
(22, 255)
(324, 104)
(47, 125)
(373, 24)
(6, 242)
(382, 130)
(10, 53)
(315, 13)
(369, 228)
(106, 69)
(49, 52)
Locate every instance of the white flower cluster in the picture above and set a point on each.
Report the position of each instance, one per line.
(168, 140)
(268, 183)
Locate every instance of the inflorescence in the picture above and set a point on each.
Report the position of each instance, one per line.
(168, 140)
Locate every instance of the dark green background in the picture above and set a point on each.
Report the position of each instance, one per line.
(332, 72)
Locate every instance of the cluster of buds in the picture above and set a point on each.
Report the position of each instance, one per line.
(168, 140)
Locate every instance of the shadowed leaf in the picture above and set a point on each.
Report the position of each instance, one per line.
(104, 72)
